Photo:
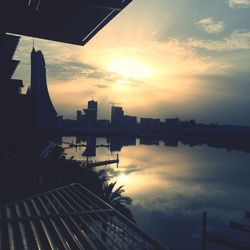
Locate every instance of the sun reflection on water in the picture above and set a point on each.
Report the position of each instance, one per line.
(172, 186)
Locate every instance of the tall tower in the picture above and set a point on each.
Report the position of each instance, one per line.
(92, 105)
(46, 117)
(91, 114)
(117, 116)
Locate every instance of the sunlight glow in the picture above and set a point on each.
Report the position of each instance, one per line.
(130, 68)
(122, 179)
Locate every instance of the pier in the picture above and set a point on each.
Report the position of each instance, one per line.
(91, 164)
(224, 240)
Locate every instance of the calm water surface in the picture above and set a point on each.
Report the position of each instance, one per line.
(172, 186)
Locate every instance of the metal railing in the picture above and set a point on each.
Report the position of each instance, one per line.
(70, 217)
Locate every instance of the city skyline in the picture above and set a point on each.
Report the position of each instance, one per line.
(179, 59)
(132, 112)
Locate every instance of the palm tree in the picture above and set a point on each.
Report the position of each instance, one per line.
(69, 170)
(113, 196)
(115, 199)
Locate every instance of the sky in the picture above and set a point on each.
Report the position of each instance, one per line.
(158, 58)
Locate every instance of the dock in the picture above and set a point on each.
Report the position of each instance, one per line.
(91, 164)
(224, 240)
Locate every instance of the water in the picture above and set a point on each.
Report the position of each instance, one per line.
(172, 186)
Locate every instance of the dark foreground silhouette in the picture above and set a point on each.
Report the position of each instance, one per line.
(21, 176)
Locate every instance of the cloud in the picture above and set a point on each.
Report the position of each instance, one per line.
(132, 82)
(125, 170)
(101, 86)
(183, 60)
(239, 39)
(71, 69)
(239, 3)
(211, 26)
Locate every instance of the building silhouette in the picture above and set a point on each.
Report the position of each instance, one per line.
(90, 150)
(117, 142)
(16, 109)
(91, 114)
(46, 115)
(10, 91)
(117, 115)
(129, 122)
(10, 88)
(148, 124)
(89, 119)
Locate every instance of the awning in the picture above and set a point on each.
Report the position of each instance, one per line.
(69, 21)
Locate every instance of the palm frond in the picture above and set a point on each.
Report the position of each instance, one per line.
(108, 189)
(122, 200)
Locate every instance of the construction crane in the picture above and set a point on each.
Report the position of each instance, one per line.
(113, 103)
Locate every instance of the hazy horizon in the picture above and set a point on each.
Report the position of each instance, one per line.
(158, 59)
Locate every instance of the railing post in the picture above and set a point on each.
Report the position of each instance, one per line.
(204, 222)
(204, 229)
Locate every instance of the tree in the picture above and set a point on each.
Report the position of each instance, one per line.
(114, 197)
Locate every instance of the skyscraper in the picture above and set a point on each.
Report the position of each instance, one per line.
(92, 105)
(117, 115)
(91, 114)
(46, 115)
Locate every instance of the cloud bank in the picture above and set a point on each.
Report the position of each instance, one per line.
(238, 40)
(73, 69)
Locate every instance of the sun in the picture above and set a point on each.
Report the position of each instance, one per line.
(122, 178)
(129, 67)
